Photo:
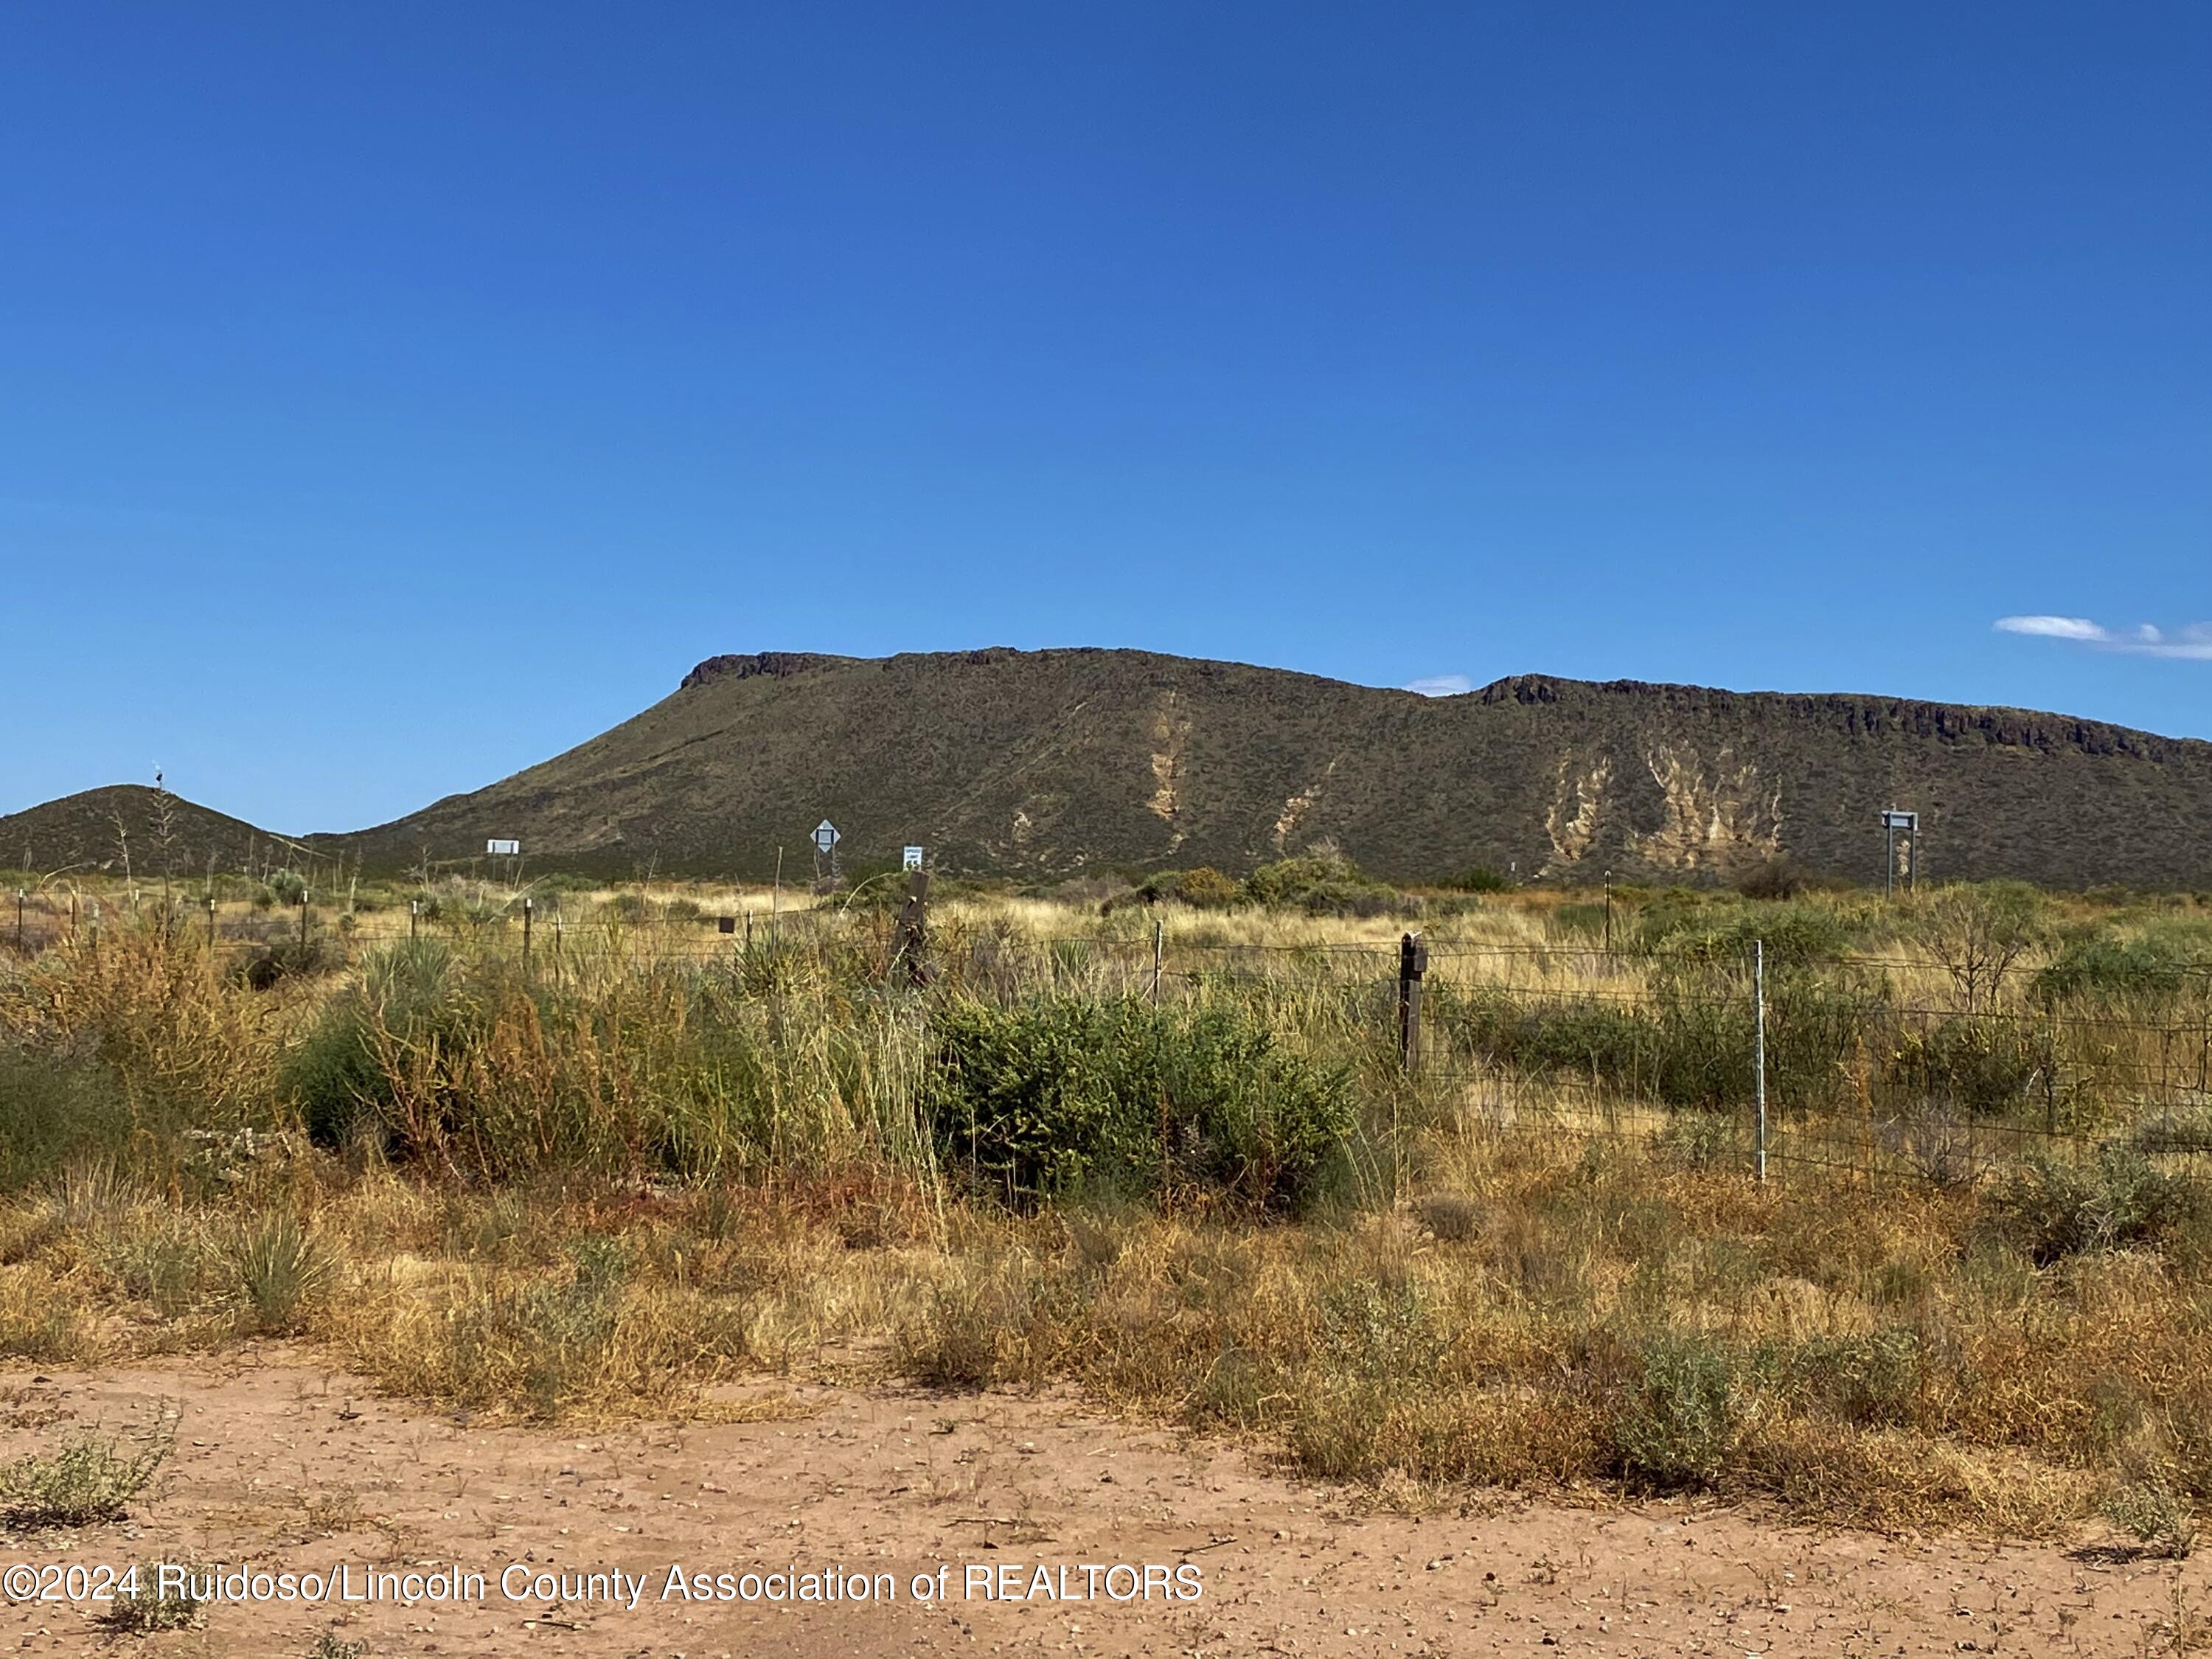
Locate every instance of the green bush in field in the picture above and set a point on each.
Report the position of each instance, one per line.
(54, 1111)
(1049, 1096)
(336, 1076)
(2156, 968)
(1481, 879)
(1679, 1427)
(1321, 882)
(2055, 1209)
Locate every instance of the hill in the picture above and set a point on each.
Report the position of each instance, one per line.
(121, 826)
(1055, 761)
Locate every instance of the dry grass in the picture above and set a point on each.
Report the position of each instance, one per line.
(1601, 1310)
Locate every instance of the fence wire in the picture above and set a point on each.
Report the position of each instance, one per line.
(1875, 1066)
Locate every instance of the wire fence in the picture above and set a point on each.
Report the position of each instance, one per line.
(1875, 1066)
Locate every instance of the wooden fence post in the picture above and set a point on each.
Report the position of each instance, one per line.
(1413, 963)
(911, 937)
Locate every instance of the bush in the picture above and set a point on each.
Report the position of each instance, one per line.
(1206, 888)
(2055, 1209)
(337, 1078)
(1321, 882)
(1480, 878)
(89, 1481)
(1678, 1427)
(2153, 969)
(2146, 1506)
(1047, 1096)
(149, 1606)
(280, 1271)
(56, 1112)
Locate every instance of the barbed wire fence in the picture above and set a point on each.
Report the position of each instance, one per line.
(1867, 1067)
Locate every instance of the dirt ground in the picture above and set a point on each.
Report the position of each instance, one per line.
(281, 1466)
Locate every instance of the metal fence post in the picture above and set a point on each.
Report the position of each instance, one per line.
(303, 920)
(413, 918)
(210, 924)
(1413, 963)
(1759, 1041)
(525, 938)
(1159, 953)
(19, 896)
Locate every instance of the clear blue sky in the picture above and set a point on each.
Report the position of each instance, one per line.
(392, 396)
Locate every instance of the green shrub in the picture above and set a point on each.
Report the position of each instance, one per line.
(1677, 1426)
(337, 1078)
(1206, 888)
(1321, 882)
(56, 1111)
(1985, 1067)
(149, 1606)
(2055, 1209)
(1480, 878)
(89, 1481)
(2154, 968)
(1049, 1096)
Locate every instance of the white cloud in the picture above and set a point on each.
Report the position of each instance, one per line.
(2192, 643)
(2055, 628)
(1441, 685)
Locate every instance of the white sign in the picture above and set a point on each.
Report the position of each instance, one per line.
(825, 835)
(913, 859)
(503, 849)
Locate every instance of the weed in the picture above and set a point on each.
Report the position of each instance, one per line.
(1678, 1427)
(157, 1600)
(280, 1270)
(2147, 1507)
(89, 1481)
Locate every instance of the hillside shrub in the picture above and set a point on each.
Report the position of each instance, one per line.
(1050, 1095)
(1678, 1427)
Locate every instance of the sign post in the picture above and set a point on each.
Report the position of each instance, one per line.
(1893, 822)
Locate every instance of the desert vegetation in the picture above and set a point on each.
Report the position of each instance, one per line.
(1161, 1142)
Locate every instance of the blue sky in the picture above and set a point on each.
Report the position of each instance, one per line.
(393, 396)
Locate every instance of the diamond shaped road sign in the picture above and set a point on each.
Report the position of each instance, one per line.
(825, 835)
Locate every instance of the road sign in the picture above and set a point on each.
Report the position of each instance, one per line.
(1895, 820)
(912, 860)
(503, 849)
(825, 835)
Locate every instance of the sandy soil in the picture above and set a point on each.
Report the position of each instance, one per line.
(287, 1467)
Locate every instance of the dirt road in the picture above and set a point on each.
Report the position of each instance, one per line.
(281, 1467)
